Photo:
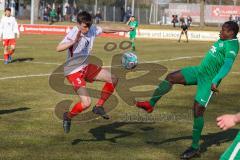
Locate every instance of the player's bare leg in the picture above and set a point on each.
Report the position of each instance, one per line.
(194, 150)
(108, 88)
(84, 103)
(133, 44)
(163, 88)
(180, 36)
(186, 34)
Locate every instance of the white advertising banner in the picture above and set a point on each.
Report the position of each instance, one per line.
(174, 34)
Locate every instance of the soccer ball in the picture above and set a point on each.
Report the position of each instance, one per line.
(129, 60)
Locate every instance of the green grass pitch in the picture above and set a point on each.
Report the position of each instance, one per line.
(31, 130)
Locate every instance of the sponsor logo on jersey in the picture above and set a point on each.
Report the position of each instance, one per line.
(220, 44)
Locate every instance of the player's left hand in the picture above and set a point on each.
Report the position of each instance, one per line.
(214, 88)
(226, 121)
(18, 35)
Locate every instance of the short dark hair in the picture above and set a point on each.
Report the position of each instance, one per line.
(7, 9)
(84, 17)
(233, 26)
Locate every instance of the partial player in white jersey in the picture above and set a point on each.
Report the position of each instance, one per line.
(78, 43)
(8, 32)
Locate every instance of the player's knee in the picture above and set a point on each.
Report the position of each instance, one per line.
(198, 110)
(170, 78)
(114, 80)
(86, 102)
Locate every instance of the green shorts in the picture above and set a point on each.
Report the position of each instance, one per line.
(233, 151)
(132, 35)
(192, 76)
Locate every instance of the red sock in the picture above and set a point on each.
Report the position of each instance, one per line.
(77, 108)
(6, 57)
(107, 91)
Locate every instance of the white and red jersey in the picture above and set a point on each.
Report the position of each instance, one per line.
(8, 27)
(78, 54)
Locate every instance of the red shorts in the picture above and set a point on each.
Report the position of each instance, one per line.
(9, 42)
(87, 74)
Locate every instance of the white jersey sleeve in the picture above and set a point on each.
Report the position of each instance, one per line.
(98, 30)
(15, 26)
(1, 27)
(71, 35)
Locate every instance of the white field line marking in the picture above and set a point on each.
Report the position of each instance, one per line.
(48, 74)
(44, 63)
(29, 61)
(25, 76)
(235, 72)
(163, 60)
(156, 61)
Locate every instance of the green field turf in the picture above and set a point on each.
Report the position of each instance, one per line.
(31, 130)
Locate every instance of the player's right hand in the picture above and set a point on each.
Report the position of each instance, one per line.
(0, 38)
(226, 121)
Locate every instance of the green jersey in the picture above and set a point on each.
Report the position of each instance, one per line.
(133, 24)
(215, 57)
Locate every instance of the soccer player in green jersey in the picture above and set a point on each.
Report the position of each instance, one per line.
(133, 24)
(225, 122)
(207, 76)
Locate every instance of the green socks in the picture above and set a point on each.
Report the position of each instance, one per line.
(197, 130)
(163, 88)
(133, 45)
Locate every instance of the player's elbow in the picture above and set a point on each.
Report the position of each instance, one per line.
(59, 48)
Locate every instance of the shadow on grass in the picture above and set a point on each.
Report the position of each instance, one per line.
(208, 140)
(8, 111)
(22, 60)
(100, 132)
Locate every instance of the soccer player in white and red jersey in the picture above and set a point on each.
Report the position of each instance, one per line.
(8, 31)
(78, 43)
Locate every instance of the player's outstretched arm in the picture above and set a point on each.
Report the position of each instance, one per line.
(128, 22)
(225, 69)
(1, 29)
(16, 31)
(228, 121)
(109, 29)
(63, 46)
